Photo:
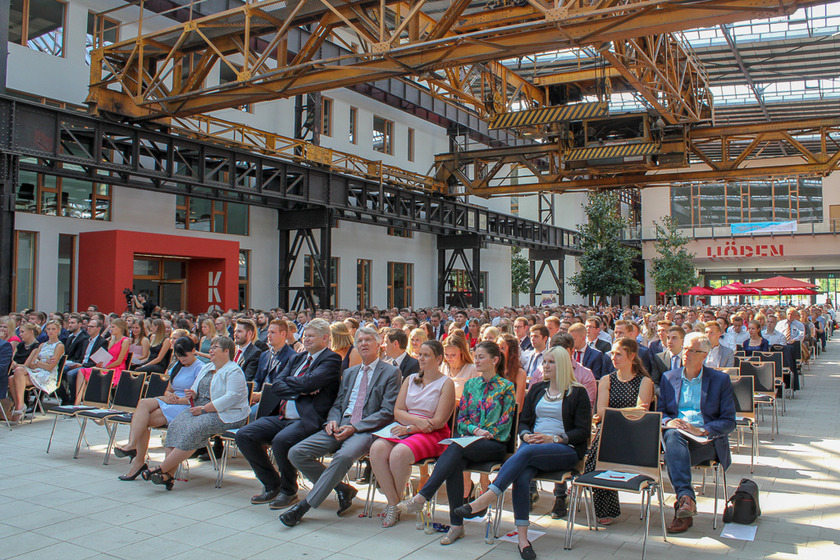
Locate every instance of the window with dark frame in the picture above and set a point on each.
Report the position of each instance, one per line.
(62, 196)
(217, 216)
(354, 123)
(400, 284)
(410, 144)
(26, 257)
(363, 269)
(38, 24)
(326, 116)
(312, 279)
(101, 31)
(383, 135)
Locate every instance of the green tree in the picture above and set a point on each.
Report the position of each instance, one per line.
(606, 266)
(520, 272)
(673, 270)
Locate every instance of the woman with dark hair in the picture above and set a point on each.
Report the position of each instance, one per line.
(486, 410)
(158, 412)
(554, 427)
(756, 342)
(629, 386)
(423, 409)
(139, 345)
(218, 402)
(514, 372)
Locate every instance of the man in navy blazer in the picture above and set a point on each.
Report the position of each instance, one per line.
(585, 355)
(272, 361)
(305, 391)
(697, 400)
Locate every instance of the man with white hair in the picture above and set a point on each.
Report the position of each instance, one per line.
(699, 411)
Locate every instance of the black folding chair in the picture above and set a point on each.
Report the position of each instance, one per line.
(630, 443)
(127, 394)
(765, 388)
(743, 389)
(97, 394)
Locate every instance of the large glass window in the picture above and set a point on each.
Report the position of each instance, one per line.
(312, 279)
(218, 216)
(400, 283)
(62, 196)
(38, 24)
(26, 255)
(244, 279)
(363, 268)
(767, 200)
(66, 269)
(383, 135)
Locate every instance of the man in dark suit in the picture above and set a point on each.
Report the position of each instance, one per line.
(671, 358)
(77, 340)
(394, 345)
(522, 333)
(247, 354)
(697, 400)
(658, 344)
(306, 389)
(272, 361)
(585, 355)
(95, 341)
(593, 336)
(365, 404)
(438, 326)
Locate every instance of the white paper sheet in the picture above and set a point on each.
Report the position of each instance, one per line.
(689, 435)
(616, 476)
(513, 536)
(102, 356)
(386, 431)
(462, 441)
(740, 532)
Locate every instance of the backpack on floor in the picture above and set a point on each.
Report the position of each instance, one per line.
(742, 507)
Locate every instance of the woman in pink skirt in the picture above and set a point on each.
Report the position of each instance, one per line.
(117, 348)
(424, 407)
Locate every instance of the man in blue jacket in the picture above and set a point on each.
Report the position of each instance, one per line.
(698, 412)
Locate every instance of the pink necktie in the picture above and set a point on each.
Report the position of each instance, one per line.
(360, 397)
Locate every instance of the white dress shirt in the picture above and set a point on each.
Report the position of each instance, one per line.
(354, 394)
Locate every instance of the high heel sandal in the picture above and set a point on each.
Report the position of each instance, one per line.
(123, 453)
(163, 479)
(21, 414)
(134, 476)
(147, 474)
(392, 516)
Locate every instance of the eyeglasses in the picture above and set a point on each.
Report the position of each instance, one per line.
(692, 351)
(215, 347)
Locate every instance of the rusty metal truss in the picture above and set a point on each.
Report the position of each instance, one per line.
(704, 153)
(453, 47)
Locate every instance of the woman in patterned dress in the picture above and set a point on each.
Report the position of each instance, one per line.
(39, 370)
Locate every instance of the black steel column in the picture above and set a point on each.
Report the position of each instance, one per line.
(284, 274)
(325, 264)
(8, 180)
(476, 277)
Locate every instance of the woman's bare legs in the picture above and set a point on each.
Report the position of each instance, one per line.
(380, 459)
(174, 457)
(401, 460)
(148, 415)
(18, 386)
(80, 387)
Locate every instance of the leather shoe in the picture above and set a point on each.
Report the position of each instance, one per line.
(345, 494)
(283, 501)
(559, 510)
(294, 514)
(527, 553)
(686, 507)
(680, 525)
(265, 497)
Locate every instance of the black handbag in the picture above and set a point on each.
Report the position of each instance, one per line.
(742, 507)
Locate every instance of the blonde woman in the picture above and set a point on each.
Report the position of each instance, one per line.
(208, 333)
(341, 342)
(554, 427)
(7, 332)
(158, 349)
(459, 362)
(40, 369)
(416, 338)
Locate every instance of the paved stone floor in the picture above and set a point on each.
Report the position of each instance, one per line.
(52, 506)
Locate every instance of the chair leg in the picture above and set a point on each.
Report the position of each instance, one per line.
(647, 522)
(370, 496)
(49, 443)
(570, 518)
(661, 497)
(81, 435)
(497, 522)
(223, 463)
(590, 511)
(213, 459)
(714, 514)
(6, 418)
(112, 435)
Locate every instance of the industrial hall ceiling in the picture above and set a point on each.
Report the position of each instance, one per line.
(571, 95)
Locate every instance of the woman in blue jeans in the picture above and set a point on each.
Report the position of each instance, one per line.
(554, 428)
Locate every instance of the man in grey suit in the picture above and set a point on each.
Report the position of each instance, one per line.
(720, 356)
(671, 358)
(365, 403)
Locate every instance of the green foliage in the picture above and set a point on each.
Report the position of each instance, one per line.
(673, 270)
(520, 273)
(606, 266)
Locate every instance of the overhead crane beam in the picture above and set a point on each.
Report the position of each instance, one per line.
(724, 152)
(389, 48)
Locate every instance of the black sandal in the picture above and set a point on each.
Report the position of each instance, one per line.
(147, 474)
(163, 479)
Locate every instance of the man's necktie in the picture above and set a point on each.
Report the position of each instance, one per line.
(787, 331)
(578, 355)
(675, 362)
(237, 355)
(360, 397)
(282, 412)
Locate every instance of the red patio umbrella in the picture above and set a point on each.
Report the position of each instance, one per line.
(736, 289)
(700, 291)
(790, 292)
(779, 283)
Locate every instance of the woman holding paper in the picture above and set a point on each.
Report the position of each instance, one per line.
(118, 350)
(554, 427)
(629, 386)
(424, 407)
(486, 412)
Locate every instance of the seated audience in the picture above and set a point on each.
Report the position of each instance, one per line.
(394, 345)
(459, 362)
(29, 333)
(40, 369)
(159, 345)
(755, 342)
(341, 342)
(117, 348)
(159, 412)
(7, 332)
(247, 355)
(415, 339)
(208, 333)
(139, 346)
(271, 361)
(720, 355)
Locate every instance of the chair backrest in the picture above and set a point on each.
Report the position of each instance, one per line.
(156, 387)
(513, 440)
(268, 401)
(129, 390)
(777, 347)
(764, 375)
(60, 371)
(127, 362)
(775, 357)
(743, 389)
(250, 385)
(630, 442)
(98, 390)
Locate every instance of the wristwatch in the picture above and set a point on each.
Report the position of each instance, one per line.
(408, 429)
(556, 439)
